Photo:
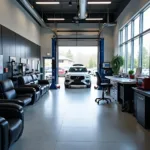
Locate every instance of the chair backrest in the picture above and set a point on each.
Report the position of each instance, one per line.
(30, 79)
(23, 80)
(99, 80)
(7, 90)
(35, 79)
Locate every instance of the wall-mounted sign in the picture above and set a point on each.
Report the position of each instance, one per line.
(1, 64)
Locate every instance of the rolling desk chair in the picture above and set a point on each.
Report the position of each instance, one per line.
(104, 87)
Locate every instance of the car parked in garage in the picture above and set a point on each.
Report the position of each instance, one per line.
(77, 75)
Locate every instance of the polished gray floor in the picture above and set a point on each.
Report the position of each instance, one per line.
(71, 120)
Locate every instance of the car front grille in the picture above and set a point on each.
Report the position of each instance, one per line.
(77, 78)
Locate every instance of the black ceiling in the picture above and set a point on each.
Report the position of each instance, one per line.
(63, 10)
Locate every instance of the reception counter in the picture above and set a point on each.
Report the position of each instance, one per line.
(122, 91)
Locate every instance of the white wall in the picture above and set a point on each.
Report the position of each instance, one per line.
(14, 17)
(107, 34)
(131, 9)
(46, 43)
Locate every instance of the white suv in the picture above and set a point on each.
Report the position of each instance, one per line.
(77, 75)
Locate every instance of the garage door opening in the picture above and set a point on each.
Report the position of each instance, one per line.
(77, 55)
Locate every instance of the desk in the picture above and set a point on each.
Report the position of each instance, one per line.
(122, 91)
(142, 106)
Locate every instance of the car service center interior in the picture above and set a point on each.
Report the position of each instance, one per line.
(74, 74)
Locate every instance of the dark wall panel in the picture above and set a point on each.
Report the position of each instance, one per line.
(12, 44)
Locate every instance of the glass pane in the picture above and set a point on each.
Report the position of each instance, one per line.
(124, 57)
(146, 54)
(129, 31)
(146, 17)
(123, 35)
(136, 26)
(136, 53)
(129, 57)
(48, 69)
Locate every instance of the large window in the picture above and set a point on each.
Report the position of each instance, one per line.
(129, 31)
(146, 22)
(135, 42)
(124, 56)
(136, 26)
(123, 35)
(146, 54)
(136, 53)
(129, 57)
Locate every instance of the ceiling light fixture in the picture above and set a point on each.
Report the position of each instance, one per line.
(94, 19)
(101, 3)
(47, 3)
(56, 19)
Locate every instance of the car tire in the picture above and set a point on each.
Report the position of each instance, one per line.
(66, 86)
(89, 86)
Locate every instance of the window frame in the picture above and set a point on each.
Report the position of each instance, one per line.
(127, 40)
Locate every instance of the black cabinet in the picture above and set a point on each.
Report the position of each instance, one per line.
(142, 109)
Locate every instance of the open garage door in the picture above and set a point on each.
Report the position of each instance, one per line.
(77, 39)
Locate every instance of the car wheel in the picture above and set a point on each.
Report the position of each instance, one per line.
(89, 86)
(66, 86)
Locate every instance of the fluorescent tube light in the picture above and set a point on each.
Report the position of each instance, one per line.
(94, 19)
(47, 3)
(55, 19)
(101, 3)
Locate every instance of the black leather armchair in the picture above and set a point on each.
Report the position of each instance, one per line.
(43, 83)
(11, 124)
(25, 82)
(19, 96)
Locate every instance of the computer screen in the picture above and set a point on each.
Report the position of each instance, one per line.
(106, 65)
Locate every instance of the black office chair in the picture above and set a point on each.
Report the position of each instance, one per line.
(104, 86)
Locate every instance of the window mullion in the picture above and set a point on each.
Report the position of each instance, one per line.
(141, 40)
(132, 45)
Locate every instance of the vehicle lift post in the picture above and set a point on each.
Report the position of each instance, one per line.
(54, 65)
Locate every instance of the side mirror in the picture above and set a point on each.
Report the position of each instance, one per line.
(66, 71)
(89, 72)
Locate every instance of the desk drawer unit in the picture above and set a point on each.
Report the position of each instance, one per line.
(113, 90)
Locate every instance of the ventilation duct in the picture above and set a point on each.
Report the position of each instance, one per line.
(28, 6)
(82, 9)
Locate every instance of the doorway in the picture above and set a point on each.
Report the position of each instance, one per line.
(69, 55)
(47, 63)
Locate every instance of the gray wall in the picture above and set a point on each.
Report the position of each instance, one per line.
(107, 35)
(131, 9)
(14, 17)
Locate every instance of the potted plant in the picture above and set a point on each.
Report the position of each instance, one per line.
(116, 63)
(131, 74)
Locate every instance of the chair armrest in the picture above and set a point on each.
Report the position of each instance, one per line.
(12, 101)
(24, 90)
(10, 110)
(4, 136)
(43, 81)
(37, 87)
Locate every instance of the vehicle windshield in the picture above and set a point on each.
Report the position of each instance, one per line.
(77, 69)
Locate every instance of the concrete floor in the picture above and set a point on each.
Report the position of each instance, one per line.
(71, 120)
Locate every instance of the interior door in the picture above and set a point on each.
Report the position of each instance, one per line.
(47, 68)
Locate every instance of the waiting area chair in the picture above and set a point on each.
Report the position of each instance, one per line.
(104, 86)
(11, 124)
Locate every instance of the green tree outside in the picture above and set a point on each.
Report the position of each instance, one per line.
(69, 54)
(145, 58)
